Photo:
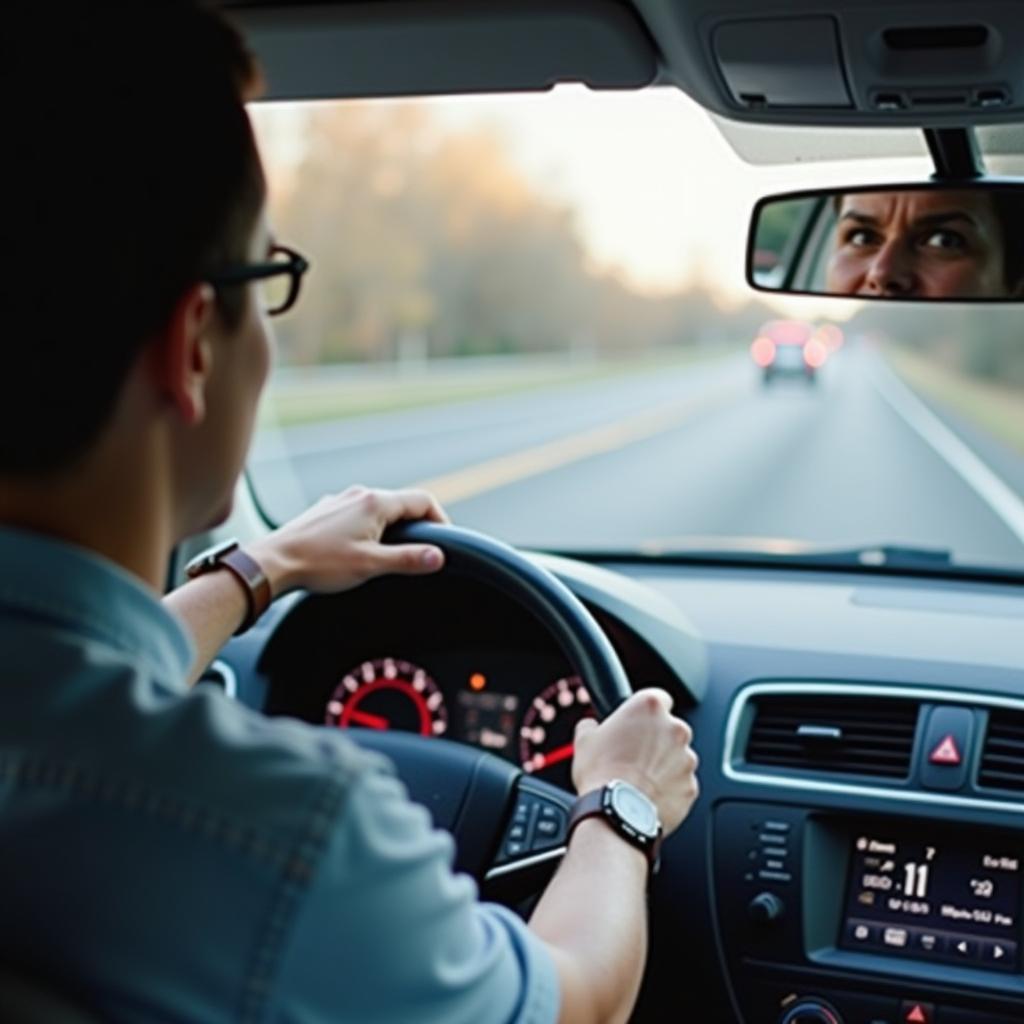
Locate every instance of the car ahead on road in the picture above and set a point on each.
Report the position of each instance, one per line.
(830, 584)
(789, 348)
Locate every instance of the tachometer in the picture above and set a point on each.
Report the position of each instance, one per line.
(388, 694)
(546, 735)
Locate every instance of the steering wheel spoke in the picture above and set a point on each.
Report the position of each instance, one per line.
(509, 827)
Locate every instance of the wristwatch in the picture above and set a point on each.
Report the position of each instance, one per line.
(244, 568)
(628, 811)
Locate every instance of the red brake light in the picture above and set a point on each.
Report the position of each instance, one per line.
(762, 351)
(815, 353)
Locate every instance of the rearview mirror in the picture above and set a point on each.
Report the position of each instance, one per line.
(933, 241)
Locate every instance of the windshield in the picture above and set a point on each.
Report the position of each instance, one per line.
(534, 306)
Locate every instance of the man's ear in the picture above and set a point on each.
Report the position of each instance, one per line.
(184, 353)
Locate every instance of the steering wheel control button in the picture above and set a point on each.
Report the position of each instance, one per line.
(537, 824)
(947, 747)
(912, 1012)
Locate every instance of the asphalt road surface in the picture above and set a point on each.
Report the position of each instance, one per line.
(700, 455)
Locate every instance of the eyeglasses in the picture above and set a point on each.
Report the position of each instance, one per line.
(278, 278)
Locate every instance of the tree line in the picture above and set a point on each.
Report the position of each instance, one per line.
(437, 242)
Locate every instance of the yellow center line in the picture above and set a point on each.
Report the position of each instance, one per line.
(508, 469)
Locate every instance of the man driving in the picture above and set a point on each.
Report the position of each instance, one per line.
(167, 854)
(925, 243)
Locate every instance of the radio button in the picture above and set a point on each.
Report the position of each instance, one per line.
(863, 934)
(929, 942)
(998, 953)
(963, 949)
(775, 876)
(895, 937)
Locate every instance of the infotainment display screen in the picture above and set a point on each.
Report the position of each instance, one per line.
(934, 897)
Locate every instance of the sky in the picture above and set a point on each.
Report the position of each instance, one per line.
(660, 195)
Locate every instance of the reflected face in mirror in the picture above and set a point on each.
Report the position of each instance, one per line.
(921, 244)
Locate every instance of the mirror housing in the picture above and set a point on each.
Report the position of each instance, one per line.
(957, 241)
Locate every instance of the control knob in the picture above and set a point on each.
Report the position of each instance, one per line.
(766, 908)
(810, 1011)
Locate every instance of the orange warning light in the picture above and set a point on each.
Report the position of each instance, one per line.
(477, 681)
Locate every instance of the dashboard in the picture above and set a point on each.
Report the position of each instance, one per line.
(448, 658)
(856, 854)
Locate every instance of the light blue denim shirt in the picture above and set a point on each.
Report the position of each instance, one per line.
(173, 856)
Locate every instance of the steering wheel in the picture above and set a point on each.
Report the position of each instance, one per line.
(509, 827)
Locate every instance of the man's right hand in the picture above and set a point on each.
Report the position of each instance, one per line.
(643, 743)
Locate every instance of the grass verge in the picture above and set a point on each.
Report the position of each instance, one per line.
(310, 400)
(996, 409)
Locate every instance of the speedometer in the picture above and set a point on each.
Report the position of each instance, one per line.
(549, 725)
(388, 694)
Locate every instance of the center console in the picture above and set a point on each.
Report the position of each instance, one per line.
(839, 918)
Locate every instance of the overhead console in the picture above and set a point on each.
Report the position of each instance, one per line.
(859, 63)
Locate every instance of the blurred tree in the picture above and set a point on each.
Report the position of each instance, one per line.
(435, 234)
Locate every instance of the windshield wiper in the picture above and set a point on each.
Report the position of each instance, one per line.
(890, 556)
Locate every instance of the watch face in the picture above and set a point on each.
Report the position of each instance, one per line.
(634, 808)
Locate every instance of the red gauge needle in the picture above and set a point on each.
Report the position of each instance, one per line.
(556, 755)
(370, 721)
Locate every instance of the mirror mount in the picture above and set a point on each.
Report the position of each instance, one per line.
(955, 153)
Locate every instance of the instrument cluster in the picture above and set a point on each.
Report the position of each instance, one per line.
(532, 726)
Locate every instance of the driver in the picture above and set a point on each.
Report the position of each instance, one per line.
(172, 855)
(930, 243)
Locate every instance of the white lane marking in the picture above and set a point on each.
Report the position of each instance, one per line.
(982, 480)
(508, 469)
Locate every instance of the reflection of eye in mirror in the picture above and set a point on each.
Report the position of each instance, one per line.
(919, 242)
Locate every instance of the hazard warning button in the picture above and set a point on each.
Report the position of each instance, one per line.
(917, 1013)
(947, 752)
(947, 747)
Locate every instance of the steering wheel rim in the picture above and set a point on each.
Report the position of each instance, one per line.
(573, 627)
(490, 806)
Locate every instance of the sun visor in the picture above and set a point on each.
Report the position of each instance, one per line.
(400, 48)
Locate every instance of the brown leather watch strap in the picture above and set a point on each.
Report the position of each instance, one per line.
(254, 581)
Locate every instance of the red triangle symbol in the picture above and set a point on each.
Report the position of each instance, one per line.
(946, 752)
(916, 1016)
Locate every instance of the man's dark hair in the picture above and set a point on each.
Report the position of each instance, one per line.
(131, 173)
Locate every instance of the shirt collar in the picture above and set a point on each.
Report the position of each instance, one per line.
(50, 580)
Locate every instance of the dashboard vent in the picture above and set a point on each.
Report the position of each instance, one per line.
(1002, 758)
(846, 735)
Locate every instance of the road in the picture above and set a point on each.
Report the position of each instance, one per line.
(694, 454)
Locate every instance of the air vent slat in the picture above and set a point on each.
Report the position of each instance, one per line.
(1002, 757)
(789, 735)
(875, 737)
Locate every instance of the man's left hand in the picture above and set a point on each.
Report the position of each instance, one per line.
(335, 545)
